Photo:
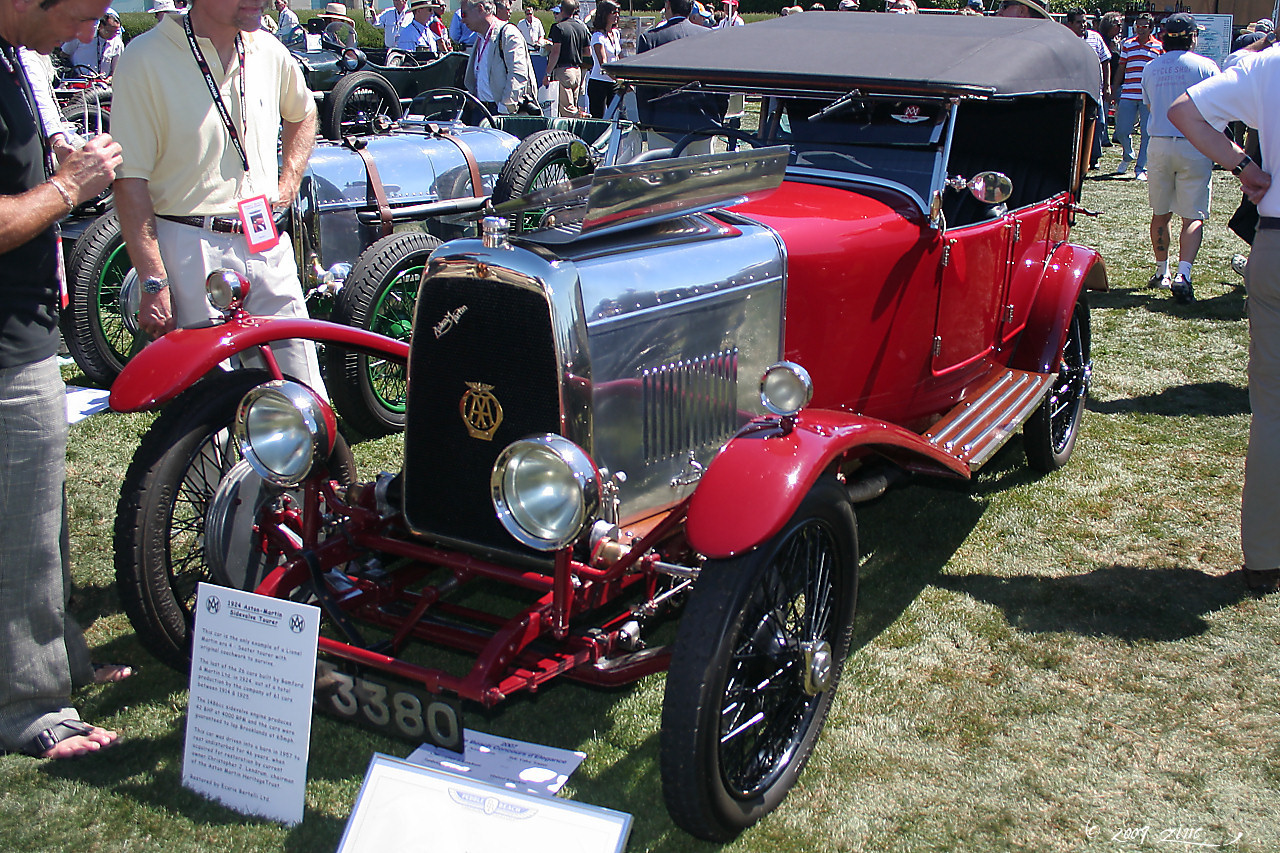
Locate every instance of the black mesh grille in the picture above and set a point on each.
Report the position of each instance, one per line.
(491, 343)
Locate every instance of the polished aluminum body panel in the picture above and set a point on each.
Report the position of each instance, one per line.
(662, 334)
(415, 168)
(681, 326)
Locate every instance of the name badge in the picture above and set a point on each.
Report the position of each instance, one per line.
(259, 228)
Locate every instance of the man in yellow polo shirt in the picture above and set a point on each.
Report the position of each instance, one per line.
(202, 100)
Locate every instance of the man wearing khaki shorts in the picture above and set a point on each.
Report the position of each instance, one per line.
(1177, 174)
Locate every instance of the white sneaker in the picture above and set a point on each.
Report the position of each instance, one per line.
(1142, 176)
(1238, 263)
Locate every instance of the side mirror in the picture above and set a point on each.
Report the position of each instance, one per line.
(991, 187)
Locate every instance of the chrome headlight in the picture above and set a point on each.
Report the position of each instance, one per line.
(546, 491)
(786, 388)
(226, 289)
(284, 429)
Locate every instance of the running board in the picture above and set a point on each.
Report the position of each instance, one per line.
(978, 427)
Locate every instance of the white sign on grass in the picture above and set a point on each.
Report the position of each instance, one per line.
(253, 665)
(507, 763)
(409, 808)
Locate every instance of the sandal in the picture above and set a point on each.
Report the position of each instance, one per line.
(111, 673)
(46, 741)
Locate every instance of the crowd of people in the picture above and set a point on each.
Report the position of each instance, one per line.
(184, 176)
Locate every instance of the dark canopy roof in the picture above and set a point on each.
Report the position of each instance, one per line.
(837, 51)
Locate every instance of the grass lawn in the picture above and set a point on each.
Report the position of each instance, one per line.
(1056, 664)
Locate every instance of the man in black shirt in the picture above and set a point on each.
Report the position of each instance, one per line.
(42, 651)
(569, 51)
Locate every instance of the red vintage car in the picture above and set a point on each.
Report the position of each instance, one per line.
(664, 398)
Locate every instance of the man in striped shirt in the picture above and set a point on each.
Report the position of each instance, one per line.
(1135, 53)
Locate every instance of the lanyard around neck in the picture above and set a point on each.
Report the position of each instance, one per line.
(213, 88)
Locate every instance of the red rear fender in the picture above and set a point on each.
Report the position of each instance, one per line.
(172, 364)
(757, 482)
(1072, 270)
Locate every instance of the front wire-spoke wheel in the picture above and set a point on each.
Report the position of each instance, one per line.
(757, 659)
(1050, 434)
(160, 528)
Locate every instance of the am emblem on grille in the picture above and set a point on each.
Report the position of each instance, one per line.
(481, 411)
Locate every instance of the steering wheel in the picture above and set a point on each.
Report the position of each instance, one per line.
(711, 131)
(434, 104)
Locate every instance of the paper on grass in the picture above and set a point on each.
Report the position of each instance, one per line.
(409, 808)
(511, 764)
(82, 402)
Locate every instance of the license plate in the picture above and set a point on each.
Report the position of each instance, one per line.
(387, 705)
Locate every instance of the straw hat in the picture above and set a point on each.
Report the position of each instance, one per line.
(336, 12)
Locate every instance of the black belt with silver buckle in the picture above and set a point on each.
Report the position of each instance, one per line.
(221, 224)
(1269, 223)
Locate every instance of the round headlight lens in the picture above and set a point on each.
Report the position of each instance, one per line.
(284, 429)
(226, 289)
(545, 490)
(786, 388)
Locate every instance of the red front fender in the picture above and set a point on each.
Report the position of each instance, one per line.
(757, 481)
(172, 364)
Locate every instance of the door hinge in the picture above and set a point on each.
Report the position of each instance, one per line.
(946, 252)
(1008, 313)
(937, 345)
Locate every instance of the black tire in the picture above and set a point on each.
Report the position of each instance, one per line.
(355, 103)
(540, 160)
(94, 325)
(1049, 435)
(379, 295)
(754, 628)
(159, 529)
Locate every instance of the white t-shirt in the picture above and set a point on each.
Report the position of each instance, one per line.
(1248, 92)
(612, 45)
(97, 53)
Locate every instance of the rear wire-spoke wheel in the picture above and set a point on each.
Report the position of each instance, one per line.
(380, 295)
(757, 660)
(541, 160)
(1049, 435)
(94, 325)
(160, 518)
(356, 102)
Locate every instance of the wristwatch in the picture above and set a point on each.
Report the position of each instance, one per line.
(155, 285)
(1242, 165)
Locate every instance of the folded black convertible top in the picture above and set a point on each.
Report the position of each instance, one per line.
(838, 51)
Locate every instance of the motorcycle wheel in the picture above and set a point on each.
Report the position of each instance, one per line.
(160, 517)
(94, 326)
(380, 296)
(756, 662)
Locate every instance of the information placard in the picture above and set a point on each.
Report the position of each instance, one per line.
(253, 665)
(405, 807)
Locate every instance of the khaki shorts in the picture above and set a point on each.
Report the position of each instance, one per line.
(1178, 178)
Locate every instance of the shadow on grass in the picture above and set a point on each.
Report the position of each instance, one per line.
(1219, 300)
(1198, 399)
(1126, 602)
